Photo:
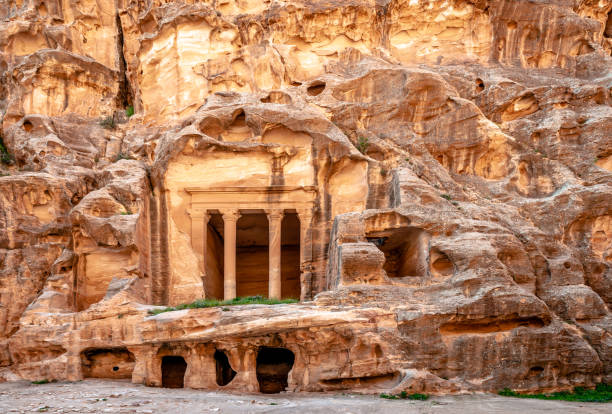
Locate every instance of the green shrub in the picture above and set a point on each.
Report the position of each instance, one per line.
(363, 144)
(211, 303)
(405, 396)
(107, 122)
(446, 197)
(129, 111)
(39, 382)
(601, 394)
(5, 157)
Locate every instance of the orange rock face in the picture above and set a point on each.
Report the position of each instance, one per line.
(431, 179)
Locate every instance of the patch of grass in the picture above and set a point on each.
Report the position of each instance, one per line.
(127, 212)
(129, 111)
(363, 144)
(43, 409)
(405, 396)
(211, 303)
(107, 122)
(5, 157)
(446, 197)
(39, 382)
(601, 394)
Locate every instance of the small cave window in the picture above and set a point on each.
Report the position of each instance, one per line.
(316, 88)
(296, 83)
(441, 265)
(225, 373)
(273, 366)
(173, 371)
(480, 86)
(27, 126)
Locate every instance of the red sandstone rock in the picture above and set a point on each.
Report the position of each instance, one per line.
(444, 170)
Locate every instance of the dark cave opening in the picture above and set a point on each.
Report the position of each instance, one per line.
(225, 373)
(173, 371)
(273, 366)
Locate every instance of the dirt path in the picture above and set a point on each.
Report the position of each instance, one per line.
(100, 396)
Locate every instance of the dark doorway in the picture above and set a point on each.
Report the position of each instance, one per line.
(273, 366)
(290, 256)
(252, 255)
(225, 373)
(173, 372)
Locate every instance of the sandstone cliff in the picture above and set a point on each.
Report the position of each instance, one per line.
(444, 170)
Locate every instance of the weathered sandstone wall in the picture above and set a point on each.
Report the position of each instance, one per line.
(444, 169)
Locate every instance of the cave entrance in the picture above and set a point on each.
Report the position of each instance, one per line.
(225, 373)
(173, 371)
(273, 366)
(113, 363)
(405, 250)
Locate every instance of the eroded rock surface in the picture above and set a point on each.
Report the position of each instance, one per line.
(432, 179)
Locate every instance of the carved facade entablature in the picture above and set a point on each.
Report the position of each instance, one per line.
(250, 198)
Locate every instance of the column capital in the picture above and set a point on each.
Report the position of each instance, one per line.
(274, 213)
(305, 215)
(230, 214)
(197, 212)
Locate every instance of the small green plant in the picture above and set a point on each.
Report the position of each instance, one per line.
(39, 382)
(405, 396)
(123, 156)
(44, 409)
(225, 309)
(127, 212)
(211, 303)
(129, 111)
(383, 172)
(5, 157)
(120, 316)
(446, 197)
(108, 122)
(601, 394)
(363, 144)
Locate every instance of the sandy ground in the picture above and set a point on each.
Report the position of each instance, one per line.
(101, 396)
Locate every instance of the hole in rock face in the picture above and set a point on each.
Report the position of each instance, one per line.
(316, 88)
(296, 83)
(441, 265)
(479, 85)
(277, 98)
(117, 363)
(173, 372)
(225, 373)
(27, 126)
(273, 366)
(608, 29)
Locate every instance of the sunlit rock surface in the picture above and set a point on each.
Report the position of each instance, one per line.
(439, 172)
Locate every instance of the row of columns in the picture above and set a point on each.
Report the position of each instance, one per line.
(199, 223)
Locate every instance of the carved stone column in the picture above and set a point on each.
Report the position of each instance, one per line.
(199, 224)
(230, 217)
(275, 219)
(305, 217)
(199, 233)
